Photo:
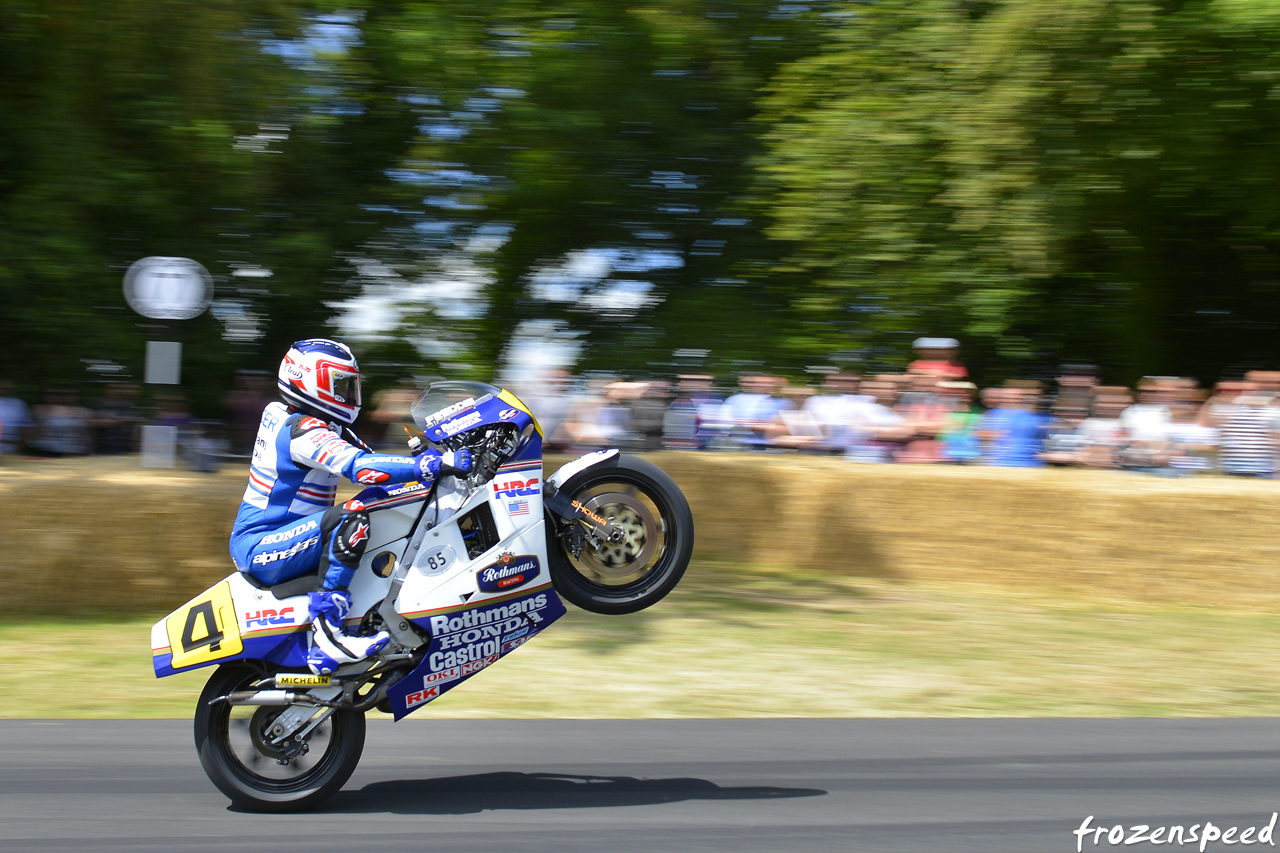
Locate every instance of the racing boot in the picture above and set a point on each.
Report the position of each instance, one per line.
(330, 646)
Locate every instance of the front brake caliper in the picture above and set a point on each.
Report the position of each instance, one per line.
(575, 539)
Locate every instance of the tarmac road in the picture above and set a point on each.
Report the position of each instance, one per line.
(609, 786)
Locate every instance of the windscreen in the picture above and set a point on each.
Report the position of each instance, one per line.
(443, 400)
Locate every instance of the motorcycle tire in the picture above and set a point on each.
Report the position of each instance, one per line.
(642, 499)
(238, 760)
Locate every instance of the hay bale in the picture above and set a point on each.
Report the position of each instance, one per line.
(105, 535)
(1087, 533)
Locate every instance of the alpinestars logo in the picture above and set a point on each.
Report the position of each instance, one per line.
(272, 556)
(361, 534)
(369, 476)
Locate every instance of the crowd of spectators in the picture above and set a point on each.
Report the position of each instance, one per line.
(116, 423)
(930, 414)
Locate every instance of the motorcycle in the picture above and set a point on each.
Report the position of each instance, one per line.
(460, 573)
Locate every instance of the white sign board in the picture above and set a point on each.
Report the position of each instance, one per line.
(168, 288)
(159, 446)
(164, 363)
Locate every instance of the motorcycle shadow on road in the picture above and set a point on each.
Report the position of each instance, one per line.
(517, 791)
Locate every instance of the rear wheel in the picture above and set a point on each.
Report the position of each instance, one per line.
(240, 753)
(645, 503)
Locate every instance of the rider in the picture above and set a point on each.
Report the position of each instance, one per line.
(287, 525)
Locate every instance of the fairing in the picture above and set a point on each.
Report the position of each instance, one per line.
(475, 609)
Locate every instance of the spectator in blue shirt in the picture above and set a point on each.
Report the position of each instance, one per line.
(751, 413)
(15, 419)
(1012, 431)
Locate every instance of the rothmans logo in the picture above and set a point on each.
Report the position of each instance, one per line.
(509, 572)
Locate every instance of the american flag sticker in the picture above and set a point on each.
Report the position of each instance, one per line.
(518, 507)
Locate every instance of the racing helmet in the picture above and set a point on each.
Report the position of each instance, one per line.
(321, 377)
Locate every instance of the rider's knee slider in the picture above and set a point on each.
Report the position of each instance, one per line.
(349, 534)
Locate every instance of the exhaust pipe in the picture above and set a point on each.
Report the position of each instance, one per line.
(269, 697)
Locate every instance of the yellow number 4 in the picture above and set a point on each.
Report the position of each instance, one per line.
(205, 628)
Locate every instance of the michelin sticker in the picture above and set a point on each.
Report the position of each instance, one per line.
(289, 679)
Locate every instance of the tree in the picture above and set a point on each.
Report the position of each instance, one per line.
(589, 164)
(218, 131)
(1092, 180)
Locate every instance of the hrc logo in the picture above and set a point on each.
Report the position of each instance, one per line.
(266, 618)
(515, 488)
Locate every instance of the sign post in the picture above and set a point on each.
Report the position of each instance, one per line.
(164, 288)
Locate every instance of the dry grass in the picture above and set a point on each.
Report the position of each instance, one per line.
(755, 642)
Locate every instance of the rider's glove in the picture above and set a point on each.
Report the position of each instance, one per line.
(455, 463)
(449, 464)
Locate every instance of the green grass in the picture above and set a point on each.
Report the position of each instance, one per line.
(738, 642)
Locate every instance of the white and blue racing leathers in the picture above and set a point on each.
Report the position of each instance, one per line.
(287, 524)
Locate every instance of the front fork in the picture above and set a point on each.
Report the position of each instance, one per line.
(586, 526)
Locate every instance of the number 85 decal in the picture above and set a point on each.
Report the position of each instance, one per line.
(436, 560)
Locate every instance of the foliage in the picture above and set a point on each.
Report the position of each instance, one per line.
(777, 183)
(602, 151)
(170, 128)
(1093, 180)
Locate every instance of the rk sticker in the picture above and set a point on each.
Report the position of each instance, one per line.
(426, 694)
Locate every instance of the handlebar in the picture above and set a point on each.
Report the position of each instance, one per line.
(490, 446)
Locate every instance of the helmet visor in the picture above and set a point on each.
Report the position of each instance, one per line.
(346, 388)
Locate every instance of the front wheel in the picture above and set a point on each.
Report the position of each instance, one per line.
(641, 499)
(238, 752)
